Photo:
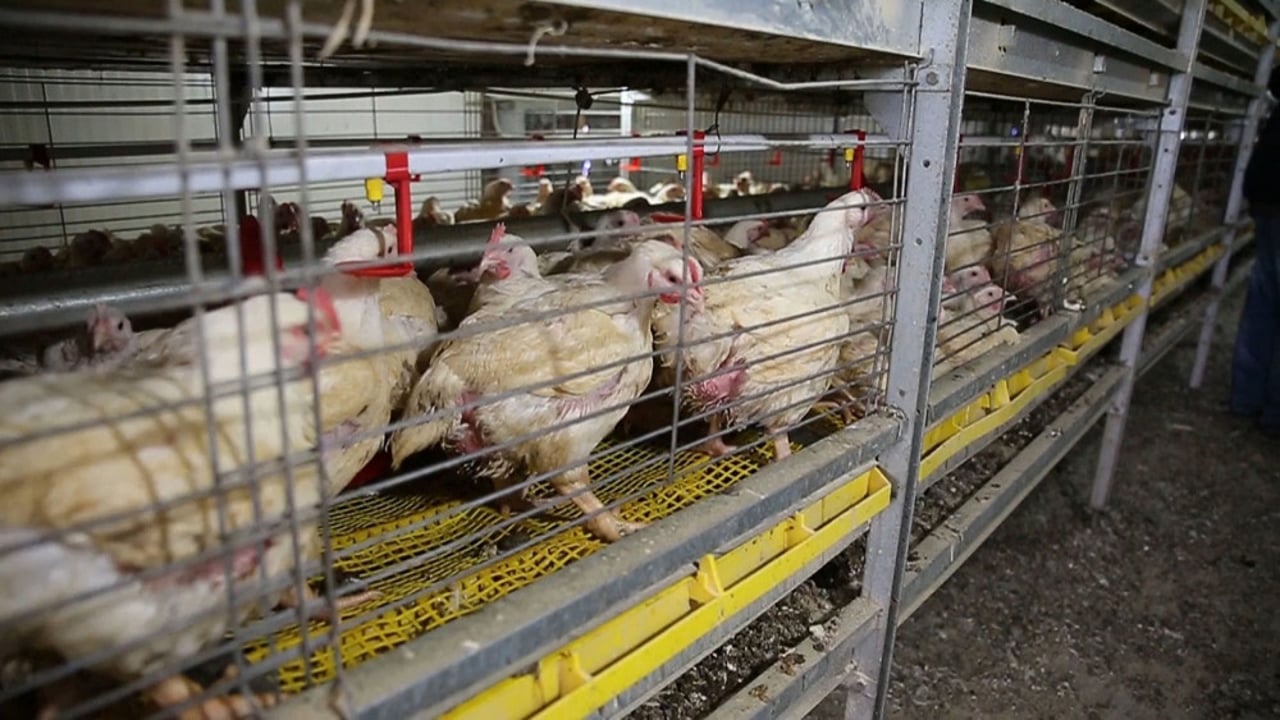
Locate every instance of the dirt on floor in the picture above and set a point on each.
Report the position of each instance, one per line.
(1165, 605)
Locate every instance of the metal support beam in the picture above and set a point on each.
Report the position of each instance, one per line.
(1158, 196)
(930, 176)
(1257, 107)
(1075, 192)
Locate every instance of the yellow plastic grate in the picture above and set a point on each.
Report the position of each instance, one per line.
(370, 517)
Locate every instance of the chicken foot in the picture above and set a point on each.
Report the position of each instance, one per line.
(604, 524)
(843, 401)
(316, 609)
(180, 689)
(714, 445)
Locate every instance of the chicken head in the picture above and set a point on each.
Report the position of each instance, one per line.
(964, 204)
(970, 277)
(501, 262)
(109, 330)
(991, 298)
(668, 278)
(860, 207)
(744, 234)
(1037, 208)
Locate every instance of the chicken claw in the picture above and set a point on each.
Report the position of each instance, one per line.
(843, 401)
(714, 445)
(611, 528)
(180, 689)
(604, 524)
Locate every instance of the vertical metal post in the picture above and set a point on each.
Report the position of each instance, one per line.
(1079, 154)
(933, 140)
(1257, 107)
(1153, 227)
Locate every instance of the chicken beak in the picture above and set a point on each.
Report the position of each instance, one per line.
(101, 334)
(693, 295)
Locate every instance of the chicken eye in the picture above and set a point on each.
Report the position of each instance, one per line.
(120, 326)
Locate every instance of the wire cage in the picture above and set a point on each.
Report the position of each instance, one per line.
(359, 422)
(1047, 213)
(1206, 157)
(62, 119)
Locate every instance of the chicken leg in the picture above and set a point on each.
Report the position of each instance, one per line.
(315, 610)
(604, 524)
(781, 446)
(714, 445)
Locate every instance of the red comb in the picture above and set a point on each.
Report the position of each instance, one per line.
(499, 231)
(323, 303)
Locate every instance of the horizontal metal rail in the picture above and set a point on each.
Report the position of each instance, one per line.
(279, 169)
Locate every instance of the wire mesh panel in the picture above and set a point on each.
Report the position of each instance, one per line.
(1048, 205)
(1205, 161)
(84, 119)
(62, 119)
(354, 425)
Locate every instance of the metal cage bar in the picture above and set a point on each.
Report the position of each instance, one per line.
(1172, 122)
(930, 181)
(530, 639)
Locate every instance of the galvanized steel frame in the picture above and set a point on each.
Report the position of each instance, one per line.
(1157, 208)
(932, 153)
(399, 688)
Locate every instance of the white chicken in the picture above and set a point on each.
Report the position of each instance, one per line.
(739, 353)
(406, 303)
(864, 294)
(745, 234)
(975, 328)
(969, 241)
(1092, 266)
(1026, 250)
(540, 375)
(106, 341)
(760, 237)
(508, 273)
(88, 566)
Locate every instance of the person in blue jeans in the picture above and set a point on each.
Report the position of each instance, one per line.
(1255, 366)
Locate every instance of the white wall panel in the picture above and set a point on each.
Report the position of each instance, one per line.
(65, 108)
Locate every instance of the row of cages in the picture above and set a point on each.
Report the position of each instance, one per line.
(342, 415)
